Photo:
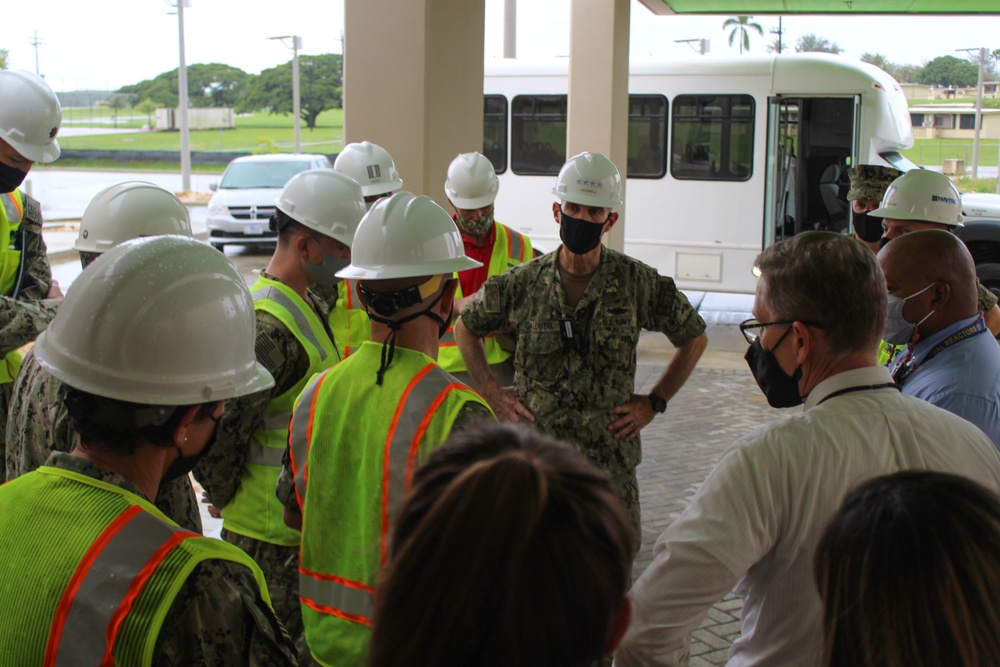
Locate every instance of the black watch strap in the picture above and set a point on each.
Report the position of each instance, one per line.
(658, 402)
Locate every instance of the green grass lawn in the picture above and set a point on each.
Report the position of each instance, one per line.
(261, 132)
(935, 151)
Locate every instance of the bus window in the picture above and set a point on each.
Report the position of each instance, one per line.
(495, 131)
(712, 137)
(538, 134)
(647, 136)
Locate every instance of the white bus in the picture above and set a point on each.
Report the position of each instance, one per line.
(726, 156)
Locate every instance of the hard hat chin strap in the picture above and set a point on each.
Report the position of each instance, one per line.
(389, 344)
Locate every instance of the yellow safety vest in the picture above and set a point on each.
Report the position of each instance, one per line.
(348, 320)
(11, 214)
(369, 439)
(255, 511)
(510, 249)
(90, 570)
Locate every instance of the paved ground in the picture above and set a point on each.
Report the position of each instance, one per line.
(719, 403)
(714, 408)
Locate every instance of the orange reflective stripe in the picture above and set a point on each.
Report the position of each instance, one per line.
(330, 594)
(387, 456)
(14, 207)
(106, 584)
(62, 611)
(138, 582)
(300, 435)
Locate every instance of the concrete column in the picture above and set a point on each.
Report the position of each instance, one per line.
(413, 83)
(598, 86)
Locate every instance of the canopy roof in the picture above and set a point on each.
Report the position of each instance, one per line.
(844, 7)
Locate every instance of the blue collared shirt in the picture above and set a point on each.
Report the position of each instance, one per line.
(963, 378)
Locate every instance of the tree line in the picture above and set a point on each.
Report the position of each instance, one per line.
(941, 71)
(218, 85)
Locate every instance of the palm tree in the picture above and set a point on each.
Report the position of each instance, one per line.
(742, 26)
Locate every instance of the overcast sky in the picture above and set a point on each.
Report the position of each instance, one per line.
(108, 44)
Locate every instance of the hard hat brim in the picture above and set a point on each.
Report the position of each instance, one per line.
(900, 214)
(45, 155)
(352, 272)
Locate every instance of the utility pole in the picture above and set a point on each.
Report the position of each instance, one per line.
(510, 29)
(979, 109)
(182, 101)
(36, 43)
(296, 44)
(778, 31)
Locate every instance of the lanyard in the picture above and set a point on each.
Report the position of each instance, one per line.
(907, 364)
(867, 387)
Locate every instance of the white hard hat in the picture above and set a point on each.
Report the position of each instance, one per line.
(924, 196)
(30, 115)
(325, 201)
(589, 179)
(128, 211)
(371, 166)
(162, 320)
(406, 236)
(472, 182)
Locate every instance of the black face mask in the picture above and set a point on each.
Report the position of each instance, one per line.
(579, 236)
(780, 389)
(185, 464)
(867, 228)
(10, 178)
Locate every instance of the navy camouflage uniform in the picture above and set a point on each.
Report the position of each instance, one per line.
(569, 384)
(38, 424)
(218, 618)
(23, 318)
(219, 471)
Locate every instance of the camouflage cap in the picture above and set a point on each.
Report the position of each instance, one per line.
(869, 181)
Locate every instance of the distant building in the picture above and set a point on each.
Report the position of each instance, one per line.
(199, 118)
(953, 121)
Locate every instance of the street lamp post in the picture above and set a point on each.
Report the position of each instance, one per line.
(182, 98)
(296, 103)
(979, 109)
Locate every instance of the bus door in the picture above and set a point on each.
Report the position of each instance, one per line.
(811, 143)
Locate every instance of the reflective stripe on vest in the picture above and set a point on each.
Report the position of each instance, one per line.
(273, 294)
(348, 319)
(10, 263)
(106, 584)
(350, 600)
(255, 511)
(13, 207)
(509, 249)
(338, 596)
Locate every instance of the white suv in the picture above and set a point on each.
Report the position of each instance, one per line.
(244, 200)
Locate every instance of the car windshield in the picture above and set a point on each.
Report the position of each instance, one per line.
(243, 175)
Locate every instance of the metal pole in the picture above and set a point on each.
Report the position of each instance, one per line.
(510, 29)
(979, 114)
(182, 102)
(296, 103)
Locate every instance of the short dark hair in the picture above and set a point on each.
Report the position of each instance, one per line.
(119, 425)
(909, 573)
(512, 549)
(828, 278)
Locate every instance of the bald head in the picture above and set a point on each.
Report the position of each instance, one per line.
(915, 260)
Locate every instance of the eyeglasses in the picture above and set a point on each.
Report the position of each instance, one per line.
(749, 327)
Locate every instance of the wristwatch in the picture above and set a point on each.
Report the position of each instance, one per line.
(658, 402)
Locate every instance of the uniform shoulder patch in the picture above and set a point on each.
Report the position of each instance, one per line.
(32, 210)
(491, 297)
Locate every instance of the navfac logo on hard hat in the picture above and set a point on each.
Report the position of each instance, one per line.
(947, 200)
